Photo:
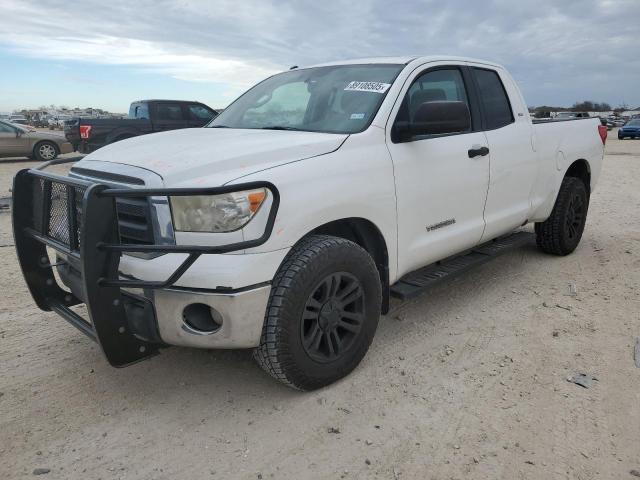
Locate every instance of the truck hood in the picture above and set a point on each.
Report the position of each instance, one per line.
(186, 157)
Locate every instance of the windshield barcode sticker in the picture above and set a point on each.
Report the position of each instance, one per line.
(367, 87)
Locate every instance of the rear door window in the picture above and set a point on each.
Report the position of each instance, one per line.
(493, 98)
(169, 111)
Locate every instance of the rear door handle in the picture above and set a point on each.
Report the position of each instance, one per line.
(478, 151)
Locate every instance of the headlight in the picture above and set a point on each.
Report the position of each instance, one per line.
(215, 213)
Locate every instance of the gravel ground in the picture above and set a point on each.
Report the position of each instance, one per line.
(467, 381)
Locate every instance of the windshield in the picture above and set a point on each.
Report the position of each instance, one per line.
(634, 123)
(19, 127)
(336, 99)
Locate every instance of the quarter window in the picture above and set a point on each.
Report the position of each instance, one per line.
(494, 99)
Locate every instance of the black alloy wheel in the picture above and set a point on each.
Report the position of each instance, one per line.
(575, 217)
(332, 317)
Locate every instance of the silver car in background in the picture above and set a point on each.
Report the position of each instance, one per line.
(21, 141)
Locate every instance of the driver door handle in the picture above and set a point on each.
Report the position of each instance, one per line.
(478, 151)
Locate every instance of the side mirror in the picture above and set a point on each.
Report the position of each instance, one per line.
(441, 117)
(18, 133)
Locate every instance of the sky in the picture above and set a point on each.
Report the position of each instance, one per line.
(105, 54)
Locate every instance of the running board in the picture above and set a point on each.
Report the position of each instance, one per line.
(416, 282)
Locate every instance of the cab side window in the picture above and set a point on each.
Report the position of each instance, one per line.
(445, 84)
(494, 99)
(198, 112)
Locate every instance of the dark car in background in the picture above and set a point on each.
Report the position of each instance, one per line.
(631, 129)
(145, 116)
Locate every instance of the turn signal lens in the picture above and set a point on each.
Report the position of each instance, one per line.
(255, 200)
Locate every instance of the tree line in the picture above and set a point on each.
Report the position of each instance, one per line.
(585, 106)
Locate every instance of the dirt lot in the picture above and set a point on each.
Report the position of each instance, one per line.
(467, 381)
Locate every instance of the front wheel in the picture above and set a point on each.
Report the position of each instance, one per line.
(45, 151)
(562, 231)
(322, 314)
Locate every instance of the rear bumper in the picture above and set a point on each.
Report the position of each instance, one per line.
(66, 147)
(129, 318)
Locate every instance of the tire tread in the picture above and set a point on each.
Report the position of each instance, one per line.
(268, 354)
(549, 232)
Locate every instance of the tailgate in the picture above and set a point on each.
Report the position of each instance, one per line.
(72, 130)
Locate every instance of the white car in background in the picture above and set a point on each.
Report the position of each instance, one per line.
(57, 122)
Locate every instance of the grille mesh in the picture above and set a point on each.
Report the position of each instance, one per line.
(59, 214)
(55, 197)
(51, 198)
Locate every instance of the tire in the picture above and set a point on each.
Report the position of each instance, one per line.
(45, 151)
(305, 317)
(560, 234)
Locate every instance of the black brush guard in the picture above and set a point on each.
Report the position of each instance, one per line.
(78, 219)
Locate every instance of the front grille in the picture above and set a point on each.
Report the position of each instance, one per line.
(134, 220)
(63, 222)
(134, 213)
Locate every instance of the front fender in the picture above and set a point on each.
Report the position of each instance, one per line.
(355, 181)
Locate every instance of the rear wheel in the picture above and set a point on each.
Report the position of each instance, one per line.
(45, 151)
(322, 313)
(562, 231)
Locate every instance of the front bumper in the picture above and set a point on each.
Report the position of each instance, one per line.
(241, 314)
(78, 220)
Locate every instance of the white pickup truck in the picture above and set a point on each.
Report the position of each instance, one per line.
(284, 225)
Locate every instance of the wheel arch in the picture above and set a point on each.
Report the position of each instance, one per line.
(366, 234)
(582, 170)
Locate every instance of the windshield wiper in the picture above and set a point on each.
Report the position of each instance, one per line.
(219, 126)
(282, 127)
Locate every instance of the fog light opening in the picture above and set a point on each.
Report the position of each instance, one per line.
(202, 318)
